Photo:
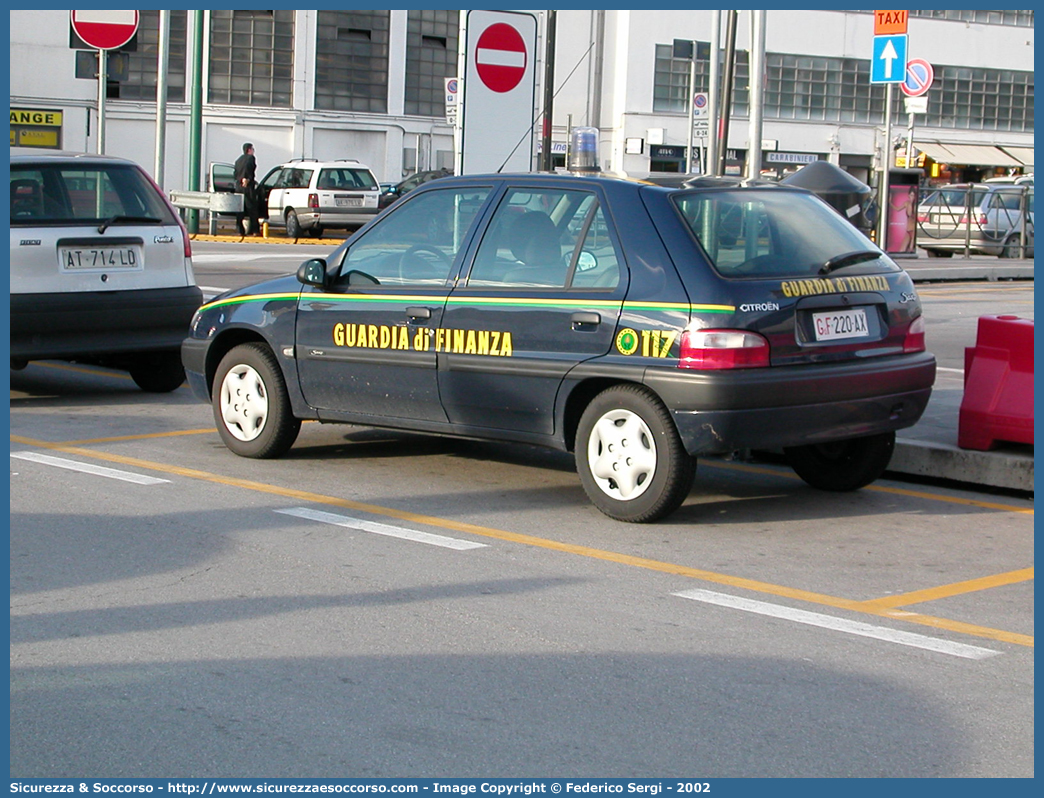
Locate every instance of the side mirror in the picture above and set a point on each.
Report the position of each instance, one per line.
(312, 272)
(586, 261)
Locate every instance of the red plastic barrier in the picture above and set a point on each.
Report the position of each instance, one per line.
(998, 384)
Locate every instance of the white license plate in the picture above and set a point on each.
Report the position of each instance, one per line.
(348, 202)
(109, 258)
(840, 324)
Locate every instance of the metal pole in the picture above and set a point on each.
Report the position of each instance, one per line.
(162, 59)
(726, 89)
(546, 161)
(103, 79)
(692, 107)
(757, 92)
(710, 165)
(883, 200)
(196, 114)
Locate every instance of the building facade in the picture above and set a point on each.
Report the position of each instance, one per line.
(370, 85)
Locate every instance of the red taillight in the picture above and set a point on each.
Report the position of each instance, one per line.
(914, 340)
(177, 215)
(313, 201)
(723, 349)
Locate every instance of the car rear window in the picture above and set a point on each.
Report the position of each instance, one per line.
(346, 178)
(64, 194)
(770, 233)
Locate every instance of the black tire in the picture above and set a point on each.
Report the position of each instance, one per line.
(251, 405)
(293, 224)
(939, 253)
(842, 465)
(657, 471)
(159, 373)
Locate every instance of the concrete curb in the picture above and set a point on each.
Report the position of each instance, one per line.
(995, 469)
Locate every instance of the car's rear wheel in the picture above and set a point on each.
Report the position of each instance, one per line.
(842, 465)
(1012, 247)
(629, 456)
(251, 404)
(293, 224)
(939, 253)
(158, 373)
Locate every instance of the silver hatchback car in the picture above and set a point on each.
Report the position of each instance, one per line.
(101, 267)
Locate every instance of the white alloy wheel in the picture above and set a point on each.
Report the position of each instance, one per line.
(621, 453)
(244, 402)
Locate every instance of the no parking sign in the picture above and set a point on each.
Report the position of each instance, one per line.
(919, 77)
(497, 94)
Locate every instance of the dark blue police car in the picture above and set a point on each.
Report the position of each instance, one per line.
(637, 325)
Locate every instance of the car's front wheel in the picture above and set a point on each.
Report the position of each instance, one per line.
(158, 373)
(842, 465)
(629, 456)
(251, 404)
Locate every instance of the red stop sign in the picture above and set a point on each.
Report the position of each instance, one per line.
(105, 30)
(500, 57)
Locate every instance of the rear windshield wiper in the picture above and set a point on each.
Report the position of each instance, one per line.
(858, 256)
(119, 218)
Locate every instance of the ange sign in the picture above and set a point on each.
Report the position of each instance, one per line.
(498, 92)
(105, 30)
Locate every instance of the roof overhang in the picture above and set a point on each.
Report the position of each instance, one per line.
(967, 154)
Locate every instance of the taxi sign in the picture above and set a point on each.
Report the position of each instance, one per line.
(890, 23)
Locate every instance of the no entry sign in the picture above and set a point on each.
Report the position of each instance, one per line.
(105, 30)
(498, 92)
(501, 57)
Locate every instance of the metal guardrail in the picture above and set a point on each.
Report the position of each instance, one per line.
(992, 220)
(214, 202)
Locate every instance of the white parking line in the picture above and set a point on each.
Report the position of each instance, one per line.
(382, 529)
(86, 468)
(839, 624)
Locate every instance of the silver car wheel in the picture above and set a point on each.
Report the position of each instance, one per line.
(621, 453)
(244, 402)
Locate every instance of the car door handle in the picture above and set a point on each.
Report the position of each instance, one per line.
(586, 321)
(418, 314)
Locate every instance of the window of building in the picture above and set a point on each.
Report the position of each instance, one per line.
(1021, 19)
(821, 89)
(671, 80)
(431, 56)
(981, 99)
(351, 61)
(144, 62)
(252, 57)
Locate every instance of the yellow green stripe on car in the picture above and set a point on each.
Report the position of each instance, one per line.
(506, 302)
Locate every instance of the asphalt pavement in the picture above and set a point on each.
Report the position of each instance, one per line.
(929, 449)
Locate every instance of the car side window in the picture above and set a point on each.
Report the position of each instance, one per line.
(546, 239)
(417, 243)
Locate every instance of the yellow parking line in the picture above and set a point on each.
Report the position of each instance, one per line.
(552, 545)
(916, 494)
(956, 589)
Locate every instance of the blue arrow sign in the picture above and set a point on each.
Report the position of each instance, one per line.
(889, 61)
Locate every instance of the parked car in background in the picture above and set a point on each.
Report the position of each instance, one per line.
(410, 183)
(635, 325)
(308, 196)
(980, 218)
(101, 267)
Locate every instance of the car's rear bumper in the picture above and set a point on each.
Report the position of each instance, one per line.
(337, 217)
(95, 324)
(770, 408)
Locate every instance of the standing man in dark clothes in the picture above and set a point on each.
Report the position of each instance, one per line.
(245, 169)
